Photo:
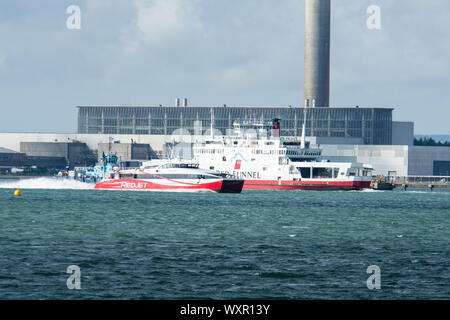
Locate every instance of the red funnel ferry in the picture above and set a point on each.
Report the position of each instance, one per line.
(274, 162)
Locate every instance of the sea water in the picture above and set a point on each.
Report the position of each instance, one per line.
(253, 245)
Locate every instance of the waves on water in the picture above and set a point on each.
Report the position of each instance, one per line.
(45, 183)
(363, 190)
(370, 190)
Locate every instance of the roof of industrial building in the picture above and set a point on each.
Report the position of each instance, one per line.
(231, 106)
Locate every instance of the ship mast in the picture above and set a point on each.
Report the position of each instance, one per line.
(212, 123)
(302, 145)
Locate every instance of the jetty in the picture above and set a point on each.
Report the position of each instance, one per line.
(428, 182)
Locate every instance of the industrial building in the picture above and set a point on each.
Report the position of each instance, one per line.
(127, 151)
(75, 153)
(372, 125)
(12, 159)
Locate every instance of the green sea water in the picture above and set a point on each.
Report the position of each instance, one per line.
(253, 245)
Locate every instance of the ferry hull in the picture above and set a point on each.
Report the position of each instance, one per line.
(232, 186)
(220, 186)
(305, 185)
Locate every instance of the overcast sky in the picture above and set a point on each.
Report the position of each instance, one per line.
(250, 52)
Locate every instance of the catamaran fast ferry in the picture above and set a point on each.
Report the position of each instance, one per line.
(256, 153)
(170, 175)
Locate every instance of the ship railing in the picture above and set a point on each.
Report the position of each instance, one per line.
(289, 139)
(303, 152)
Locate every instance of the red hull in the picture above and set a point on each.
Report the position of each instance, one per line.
(233, 187)
(222, 186)
(305, 185)
(132, 184)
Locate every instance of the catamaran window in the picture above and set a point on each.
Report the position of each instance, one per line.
(322, 173)
(211, 168)
(180, 165)
(291, 143)
(336, 172)
(126, 176)
(146, 176)
(305, 172)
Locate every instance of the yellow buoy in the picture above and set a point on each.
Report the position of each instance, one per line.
(17, 193)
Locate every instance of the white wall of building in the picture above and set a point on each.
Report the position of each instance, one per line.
(384, 159)
(12, 140)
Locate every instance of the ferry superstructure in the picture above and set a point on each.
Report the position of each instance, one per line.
(255, 152)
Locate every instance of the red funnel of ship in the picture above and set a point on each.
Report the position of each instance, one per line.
(276, 128)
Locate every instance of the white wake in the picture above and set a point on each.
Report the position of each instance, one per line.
(45, 183)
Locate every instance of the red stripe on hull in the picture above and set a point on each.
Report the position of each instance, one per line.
(128, 184)
(305, 185)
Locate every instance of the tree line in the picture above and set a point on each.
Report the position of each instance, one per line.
(430, 142)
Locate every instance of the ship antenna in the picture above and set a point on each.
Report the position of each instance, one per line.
(212, 121)
(212, 132)
(302, 145)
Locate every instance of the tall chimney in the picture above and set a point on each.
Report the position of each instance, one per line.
(316, 85)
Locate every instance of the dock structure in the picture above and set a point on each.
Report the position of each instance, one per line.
(428, 182)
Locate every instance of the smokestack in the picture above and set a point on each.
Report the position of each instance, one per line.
(184, 102)
(316, 85)
(177, 102)
(276, 128)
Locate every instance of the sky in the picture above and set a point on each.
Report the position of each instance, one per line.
(149, 52)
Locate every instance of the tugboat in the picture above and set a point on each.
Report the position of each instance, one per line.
(380, 183)
(170, 175)
(94, 174)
